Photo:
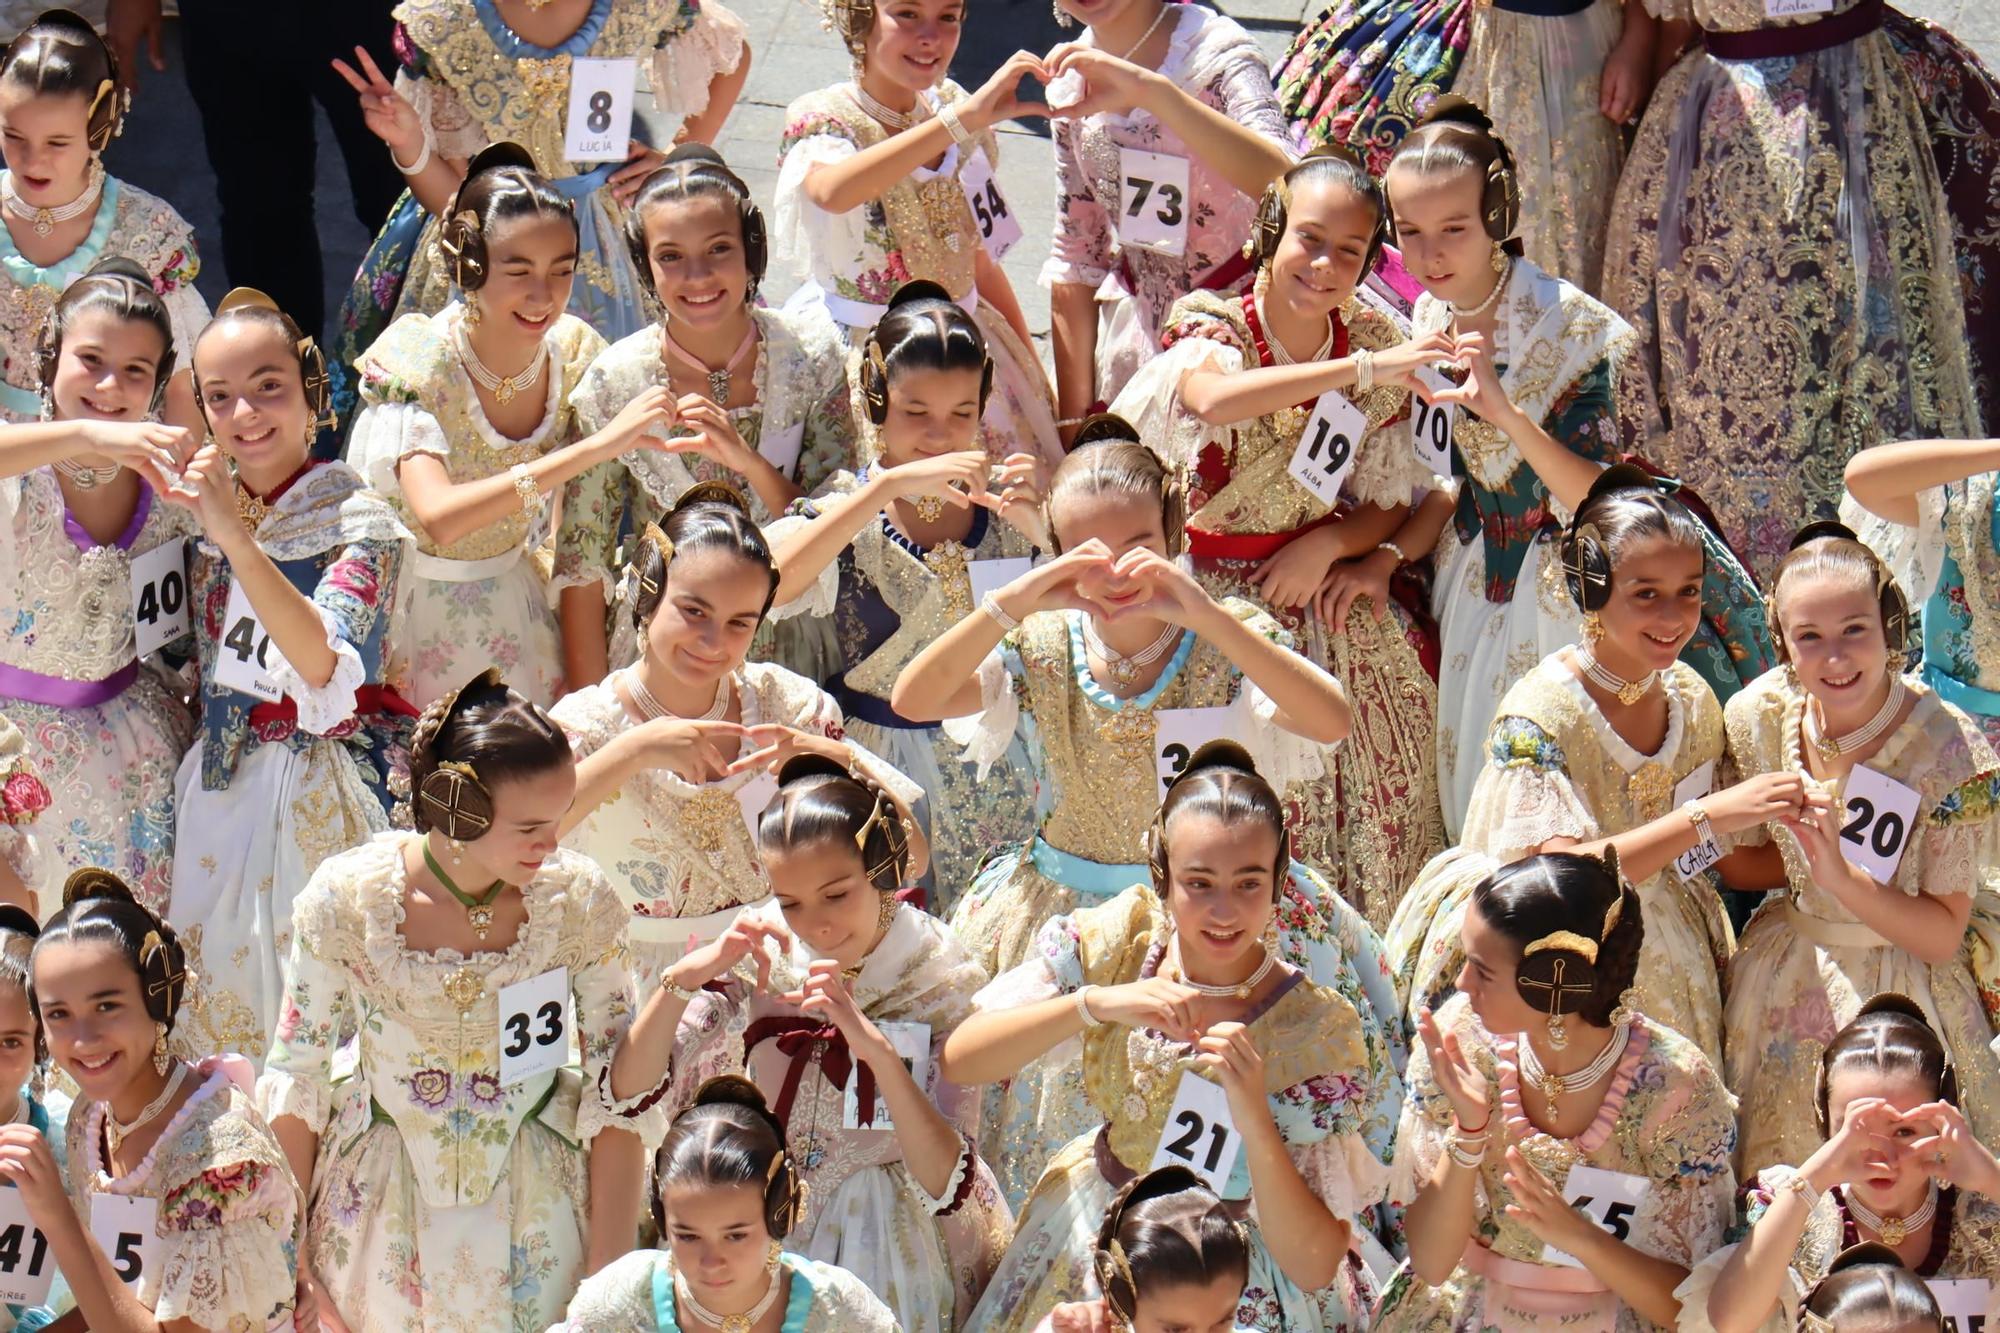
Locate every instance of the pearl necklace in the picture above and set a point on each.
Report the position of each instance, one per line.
(45, 219)
(1629, 692)
(88, 478)
(1281, 357)
(118, 1132)
(1832, 747)
(1475, 311)
(890, 119)
(1158, 19)
(653, 708)
(502, 387)
(1175, 969)
(728, 1323)
(1893, 1230)
(1123, 669)
(1554, 1085)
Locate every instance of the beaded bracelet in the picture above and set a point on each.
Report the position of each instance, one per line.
(525, 487)
(990, 604)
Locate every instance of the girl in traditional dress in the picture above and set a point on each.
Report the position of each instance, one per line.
(1868, 1290)
(1166, 134)
(1542, 363)
(82, 495)
(729, 1193)
(764, 394)
(171, 1159)
(1611, 742)
(1544, 1048)
(896, 544)
(1898, 1166)
(23, 1066)
(1781, 244)
(1169, 1256)
(1230, 400)
(60, 107)
(1942, 498)
(468, 427)
(1891, 863)
(478, 72)
(1175, 982)
(289, 586)
(856, 994)
(674, 748)
(451, 1186)
(872, 192)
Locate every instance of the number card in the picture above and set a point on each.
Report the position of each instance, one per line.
(244, 658)
(1880, 814)
(993, 575)
(1433, 426)
(754, 796)
(1326, 448)
(913, 1044)
(1199, 1134)
(600, 109)
(1607, 1198)
(1180, 732)
(534, 1026)
(781, 448)
(999, 229)
(1153, 201)
(159, 597)
(1963, 1302)
(127, 1229)
(27, 1269)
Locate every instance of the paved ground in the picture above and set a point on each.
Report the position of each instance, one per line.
(793, 54)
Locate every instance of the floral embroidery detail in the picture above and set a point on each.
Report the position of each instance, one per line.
(22, 797)
(1519, 743)
(483, 1091)
(430, 1088)
(1971, 801)
(204, 1202)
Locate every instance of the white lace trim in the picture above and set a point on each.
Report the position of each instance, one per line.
(324, 707)
(985, 735)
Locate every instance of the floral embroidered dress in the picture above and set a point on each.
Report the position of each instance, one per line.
(635, 1294)
(23, 799)
(271, 789)
(475, 82)
(1665, 1119)
(104, 730)
(1499, 597)
(921, 227)
(1780, 242)
(1957, 554)
(130, 224)
(928, 1257)
(682, 858)
(1322, 1095)
(1363, 72)
(1371, 821)
(1807, 965)
(482, 600)
(229, 1209)
(445, 1200)
(1557, 769)
(800, 419)
(888, 597)
(1965, 1247)
(1210, 57)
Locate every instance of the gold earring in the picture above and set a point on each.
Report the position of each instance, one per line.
(772, 1256)
(1499, 259)
(160, 1058)
(457, 851)
(472, 311)
(1593, 628)
(1558, 1033)
(1792, 678)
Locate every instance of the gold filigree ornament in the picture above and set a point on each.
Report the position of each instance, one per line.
(1651, 787)
(946, 560)
(708, 815)
(546, 78)
(465, 987)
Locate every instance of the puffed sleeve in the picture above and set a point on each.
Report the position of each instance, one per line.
(297, 1078)
(1053, 966)
(1193, 340)
(985, 735)
(594, 504)
(1524, 796)
(1282, 756)
(618, 1295)
(354, 589)
(829, 445)
(681, 71)
(1247, 95)
(187, 312)
(818, 598)
(1425, 1130)
(388, 432)
(1341, 1172)
(1082, 250)
(601, 986)
(231, 1251)
(801, 227)
(1960, 848)
(23, 797)
(455, 131)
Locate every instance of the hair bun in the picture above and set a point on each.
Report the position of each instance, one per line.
(118, 266)
(96, 882)
(1099, 427)
(918, 289)
(1819, 530)
(1865, 1254)
(1895, 1002)
(710, 492)
(1621, 477)
(694, 150)
(802, 766)
(493, 156)
(1457, 110)
(733, 1090)
(19, 920)
(1219, 754)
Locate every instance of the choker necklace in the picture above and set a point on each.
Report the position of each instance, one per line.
(502, 387)
(1281, 357)
(1832, 747)
(930, 508)
(728, 1323)
(88, 478)
(1554, 1085)
(46, 219)
(1629, 692)
(1893, 1230)
(890, 119)
(1176, 970)
(118, 1132)
(479, 910)
(653, 708)
(719, 379)
(1158, 19)
(1121, 668)
(1499, 286)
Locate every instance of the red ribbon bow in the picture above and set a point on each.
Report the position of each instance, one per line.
(801, 1039)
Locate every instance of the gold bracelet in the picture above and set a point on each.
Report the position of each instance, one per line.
(673, 988)
(947, 115)
(532, 503)
(1704, 832)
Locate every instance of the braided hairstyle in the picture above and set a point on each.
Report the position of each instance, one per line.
(1826, 549)
(819, 801)
(1108, 459)
(1889, 1036)
(1219, 781)
(1625, 505)
(1868, 1290)
(100, 908)
(1166, 1228)
(729, 1137)
(1456, 136)
(501, 184)
(247, 305)
(470, 742)
(1576, 922)
(923, 329)
(121, 289)
(696, 171)
(60, 53)
(708, 515)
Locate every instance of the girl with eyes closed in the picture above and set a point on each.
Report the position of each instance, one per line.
(1891, 864)
(760, 398)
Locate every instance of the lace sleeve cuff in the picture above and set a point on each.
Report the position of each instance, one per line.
(187, 314)
(682, 70)
(802, 228)
(817, 599)
(985, 735)
(324, 707)
(1282, 757)
(955, 1189)
(280, 1093)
